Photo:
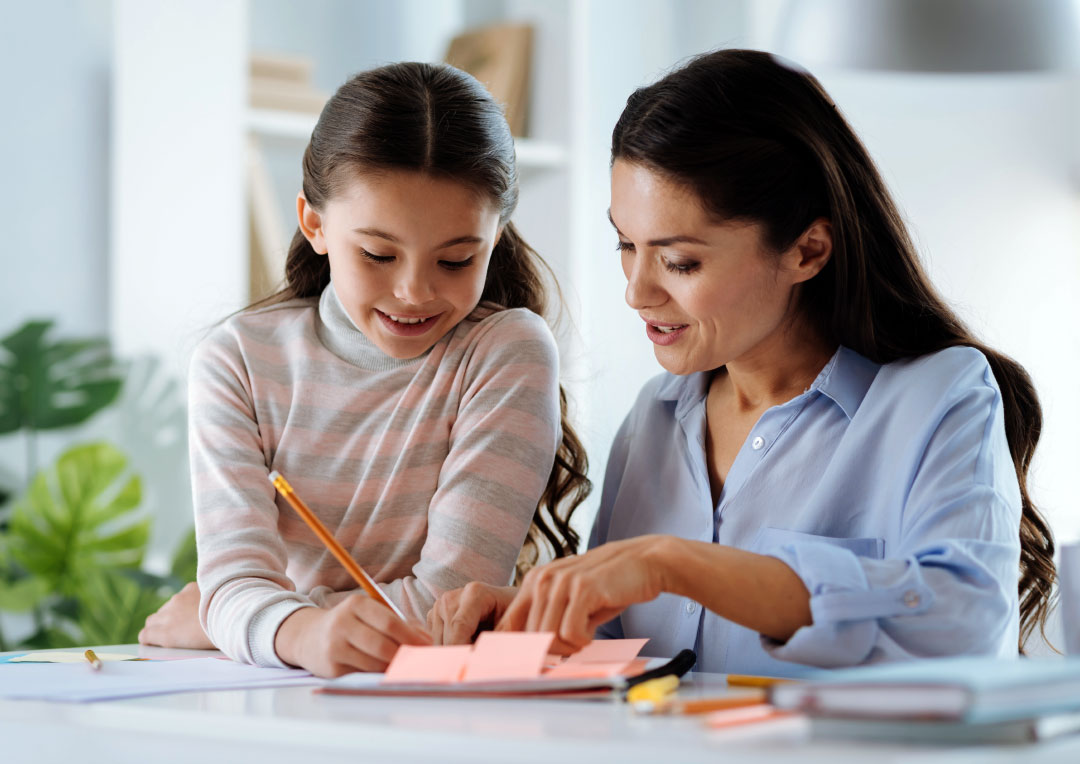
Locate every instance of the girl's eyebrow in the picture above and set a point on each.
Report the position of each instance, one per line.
(665, 242)
(445, 245)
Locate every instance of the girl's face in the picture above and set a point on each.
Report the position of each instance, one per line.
(709, 292)
(408, 254)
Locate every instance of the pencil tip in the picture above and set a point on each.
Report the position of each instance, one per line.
(274, 476)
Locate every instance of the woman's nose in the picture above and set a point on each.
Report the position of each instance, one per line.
(642, 290)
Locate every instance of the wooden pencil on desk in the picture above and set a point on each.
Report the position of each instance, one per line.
(331, 543)
(95, 662)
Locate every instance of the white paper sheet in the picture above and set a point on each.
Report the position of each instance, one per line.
(80, 683)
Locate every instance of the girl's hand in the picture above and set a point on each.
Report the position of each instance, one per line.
(176, 623)
(573, 596)
(357, 634)
(457, 615)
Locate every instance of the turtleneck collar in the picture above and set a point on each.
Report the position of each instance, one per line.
(344, 339)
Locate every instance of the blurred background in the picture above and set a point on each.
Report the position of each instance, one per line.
(151, 150)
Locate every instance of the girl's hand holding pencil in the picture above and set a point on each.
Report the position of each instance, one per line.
(357, 634)
(360, 633)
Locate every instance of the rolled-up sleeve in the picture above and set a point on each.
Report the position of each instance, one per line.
(950, 585)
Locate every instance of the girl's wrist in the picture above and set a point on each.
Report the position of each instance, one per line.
(289, 639)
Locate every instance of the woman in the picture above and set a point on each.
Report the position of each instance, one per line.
(833, 466)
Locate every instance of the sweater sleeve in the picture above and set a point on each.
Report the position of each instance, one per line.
(242, 559)
(502, 448)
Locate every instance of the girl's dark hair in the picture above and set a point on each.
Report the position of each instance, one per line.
(761, 141)
(435, 119)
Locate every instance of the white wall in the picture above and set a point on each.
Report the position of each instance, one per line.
(54, 140)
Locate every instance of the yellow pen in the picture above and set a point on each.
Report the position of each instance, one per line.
(95, 662)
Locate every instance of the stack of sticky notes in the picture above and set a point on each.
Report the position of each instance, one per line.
(517, 663)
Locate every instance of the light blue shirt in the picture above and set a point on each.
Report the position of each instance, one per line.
(888, 489)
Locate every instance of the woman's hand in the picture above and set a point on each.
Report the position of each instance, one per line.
(176, 623)
(573, 596)
(357, 634)
(457, 615)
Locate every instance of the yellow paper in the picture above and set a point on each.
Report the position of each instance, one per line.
(51, 657)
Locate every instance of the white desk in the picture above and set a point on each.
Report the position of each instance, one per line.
(296, 726)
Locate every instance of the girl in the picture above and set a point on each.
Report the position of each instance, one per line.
(403, 381)
(833, 466)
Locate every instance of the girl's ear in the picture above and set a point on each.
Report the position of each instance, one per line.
(811, 251)
(498, 236)
(310, 224)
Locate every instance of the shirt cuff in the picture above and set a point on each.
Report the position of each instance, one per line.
(844, 607)
(263, 629)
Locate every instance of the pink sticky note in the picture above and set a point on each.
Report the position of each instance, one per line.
(437, 664)
(585, 670)
(608, 651)
(507, 655)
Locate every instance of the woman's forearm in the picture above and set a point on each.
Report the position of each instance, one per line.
(753, 590)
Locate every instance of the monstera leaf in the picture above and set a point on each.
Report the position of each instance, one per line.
(185, 560)
(113, 606)
(74, 520)
(45, 384)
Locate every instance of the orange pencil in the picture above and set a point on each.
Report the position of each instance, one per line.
(331, 543)
(676, 705)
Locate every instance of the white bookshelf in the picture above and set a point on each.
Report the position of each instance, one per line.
(532, 154)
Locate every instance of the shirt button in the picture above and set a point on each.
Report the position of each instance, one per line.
(691, 608)
(911, 598)
(758, 443)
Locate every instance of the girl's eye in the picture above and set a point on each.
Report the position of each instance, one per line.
(680, 267)
(375, 258)
(623, 246)
(457, 265)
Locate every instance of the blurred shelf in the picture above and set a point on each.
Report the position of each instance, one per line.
(531, 154)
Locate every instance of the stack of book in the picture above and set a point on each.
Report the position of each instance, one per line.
(942, 700)
(284, 83)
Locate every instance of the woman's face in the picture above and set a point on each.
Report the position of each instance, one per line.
(710, 293)
(408, 254)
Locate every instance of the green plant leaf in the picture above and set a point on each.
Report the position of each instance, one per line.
(22, 595)
(75, 519)
(46, 384)
(114, 605)
(48, 637)
(185, 559)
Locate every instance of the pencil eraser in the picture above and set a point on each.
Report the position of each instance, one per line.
(274, 476)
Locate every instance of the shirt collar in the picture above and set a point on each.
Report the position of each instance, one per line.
(845, 380)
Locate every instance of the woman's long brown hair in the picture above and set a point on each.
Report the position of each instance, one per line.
(759, 140)
(436, 119)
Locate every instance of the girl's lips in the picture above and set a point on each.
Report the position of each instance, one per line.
(407, 330)
(664, 338)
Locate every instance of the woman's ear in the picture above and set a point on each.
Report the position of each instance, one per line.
(310, 222)
(811, 251)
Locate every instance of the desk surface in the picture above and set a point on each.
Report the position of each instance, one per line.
(296, 726)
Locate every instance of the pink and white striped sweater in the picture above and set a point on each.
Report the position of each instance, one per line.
(427, 470)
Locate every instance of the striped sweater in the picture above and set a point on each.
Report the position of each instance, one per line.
(427, 470)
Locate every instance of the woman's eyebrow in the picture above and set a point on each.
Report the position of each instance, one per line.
(445, 245)
(667, 241)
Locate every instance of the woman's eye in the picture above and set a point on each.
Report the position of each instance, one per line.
(680, 267)
(456, 265)
(375, 258)
(624, 246)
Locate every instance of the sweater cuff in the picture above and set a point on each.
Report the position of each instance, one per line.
(263, 630)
